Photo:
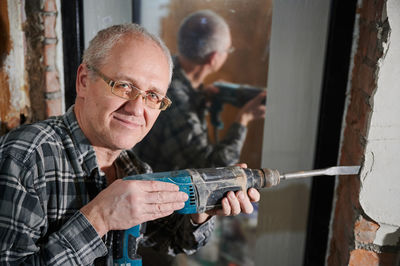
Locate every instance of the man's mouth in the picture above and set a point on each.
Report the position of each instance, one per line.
(129, 121)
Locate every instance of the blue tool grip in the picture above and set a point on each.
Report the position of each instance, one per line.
(128, 246)
(125, 252)
(181, 178)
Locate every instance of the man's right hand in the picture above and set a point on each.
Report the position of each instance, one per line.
(252, 110)
(126, 203)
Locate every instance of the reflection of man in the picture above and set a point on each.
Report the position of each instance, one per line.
(179, 139)
(60, 180)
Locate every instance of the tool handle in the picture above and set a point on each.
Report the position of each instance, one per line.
(125, 247)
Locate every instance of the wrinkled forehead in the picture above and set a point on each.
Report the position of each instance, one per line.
(136, 46)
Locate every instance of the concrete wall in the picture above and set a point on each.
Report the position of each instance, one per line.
(297, 54)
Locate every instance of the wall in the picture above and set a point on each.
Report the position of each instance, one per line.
(297, 53)
(14, 96)
(366, 218)
(100, 14)
(31, 62)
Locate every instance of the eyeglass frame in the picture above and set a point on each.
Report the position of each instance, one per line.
(230, 50)
(110, 82)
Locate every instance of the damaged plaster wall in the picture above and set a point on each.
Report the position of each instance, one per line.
(14, 89)
(380, 177)
(366, 217)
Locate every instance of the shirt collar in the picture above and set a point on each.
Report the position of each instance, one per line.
(197, 96)
(84, 150)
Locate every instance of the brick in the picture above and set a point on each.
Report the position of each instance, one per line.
(49, 22)
(363, 38)
(359, 110)
(53, 107)
(352, 142)
(50, 6)
(365, 78)
(360, 257)
(365, 231)
(52, 81)
(50, 54)
(372, 52)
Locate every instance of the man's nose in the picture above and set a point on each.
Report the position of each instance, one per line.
(136, 105)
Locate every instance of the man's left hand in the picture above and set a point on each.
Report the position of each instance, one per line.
(233, 204)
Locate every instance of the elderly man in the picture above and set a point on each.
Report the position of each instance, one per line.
(60, 180)
(179, 139)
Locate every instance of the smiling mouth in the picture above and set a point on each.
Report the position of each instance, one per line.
(128, 122)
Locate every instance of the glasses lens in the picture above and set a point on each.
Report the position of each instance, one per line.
(123, 90)
(129, 92)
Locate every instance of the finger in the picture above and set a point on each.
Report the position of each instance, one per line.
(163, 208)
(234, 203)
(226, 208)
(245, 204)
(152, 185)
(254, 195)
(242, 165)
(260, 97)
(166, 197)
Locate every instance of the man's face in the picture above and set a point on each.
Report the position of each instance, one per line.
(115, 123)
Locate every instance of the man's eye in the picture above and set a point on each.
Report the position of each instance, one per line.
(152, 96)
(125, 86)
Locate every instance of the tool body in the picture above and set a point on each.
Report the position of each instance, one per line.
(231, 93)
(205, 188)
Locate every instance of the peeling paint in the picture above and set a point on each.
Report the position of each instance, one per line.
(379, 195)
(14, 93)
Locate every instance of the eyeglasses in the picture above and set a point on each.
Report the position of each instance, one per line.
(128, 91)
(230, 50)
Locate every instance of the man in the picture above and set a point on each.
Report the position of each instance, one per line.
(179, 139)
(61, 192)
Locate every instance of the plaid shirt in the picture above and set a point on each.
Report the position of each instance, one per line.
(179, 138)
(48, 171)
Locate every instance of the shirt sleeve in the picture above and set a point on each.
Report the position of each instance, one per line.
(23, 225)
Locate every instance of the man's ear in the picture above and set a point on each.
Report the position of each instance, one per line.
(82, 79)
(212, 61)
(212, 58)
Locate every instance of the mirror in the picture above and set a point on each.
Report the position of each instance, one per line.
(282, 44)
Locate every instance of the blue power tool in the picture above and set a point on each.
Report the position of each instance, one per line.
(205, 187)
(231, 93)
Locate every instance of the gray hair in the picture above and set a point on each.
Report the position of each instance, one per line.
(200, 34)
(99, 47)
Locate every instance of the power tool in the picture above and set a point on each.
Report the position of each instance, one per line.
(205, 188)
(231, 93)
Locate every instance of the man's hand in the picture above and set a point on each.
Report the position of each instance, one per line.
(126, 203)
(254, 109)
(233, 204)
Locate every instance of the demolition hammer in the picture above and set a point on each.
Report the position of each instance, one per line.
(205, 188)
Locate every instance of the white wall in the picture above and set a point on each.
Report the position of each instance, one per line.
(297, 54)
(380, 176)
(152, 13)
(100, 14)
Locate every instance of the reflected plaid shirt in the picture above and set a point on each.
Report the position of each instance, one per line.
(48, 171)
(179, 138)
